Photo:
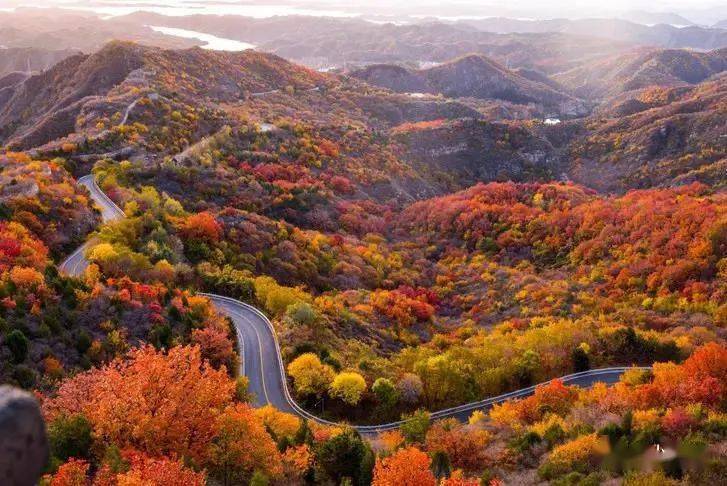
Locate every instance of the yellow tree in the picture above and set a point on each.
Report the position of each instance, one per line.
(311, 377)
(348, 386)
(280, 423)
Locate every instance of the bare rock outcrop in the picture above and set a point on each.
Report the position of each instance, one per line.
(23, 441)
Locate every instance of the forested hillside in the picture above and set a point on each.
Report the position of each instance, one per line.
(413, 253)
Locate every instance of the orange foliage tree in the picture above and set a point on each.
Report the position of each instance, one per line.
(553, 397)
(215, 346)
(202, 226)
(72, 473)
(19, 247)
(701, 379)
(458, 479)
(406, 467)
(159, 403)
(241, 446)
(146, 471)
(464, 445)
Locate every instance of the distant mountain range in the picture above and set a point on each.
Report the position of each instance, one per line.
(661, 34)
(30, 59)
(337, 42)
(550, 46)
(653, 18)
(62, 29)
(642, 68)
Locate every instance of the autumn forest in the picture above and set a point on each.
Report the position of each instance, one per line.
(409, 239)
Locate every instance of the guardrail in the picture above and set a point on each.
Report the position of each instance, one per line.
(91, 180)
(447, 412)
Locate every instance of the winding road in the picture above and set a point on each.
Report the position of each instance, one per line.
(76, 263)
(261, 360)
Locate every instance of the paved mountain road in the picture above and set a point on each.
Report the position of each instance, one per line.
(263, 366)
(76, 263)
(261, 361)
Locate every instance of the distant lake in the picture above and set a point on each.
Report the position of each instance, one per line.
(210, 41)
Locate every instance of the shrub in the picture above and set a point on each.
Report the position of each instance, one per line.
(581, 454)
(348, 386)
(385, 391)
(18, 345)
(70, 436)
(415, 426)
(310, 376)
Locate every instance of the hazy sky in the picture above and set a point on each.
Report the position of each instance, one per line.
(512, 8)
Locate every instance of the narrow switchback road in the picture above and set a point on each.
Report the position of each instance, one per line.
(261, 360)
(76, 263)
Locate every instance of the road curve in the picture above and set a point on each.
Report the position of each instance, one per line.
(262, 362)
(263, 365)
(76, 262)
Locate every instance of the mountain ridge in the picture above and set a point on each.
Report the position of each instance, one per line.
(472, 76)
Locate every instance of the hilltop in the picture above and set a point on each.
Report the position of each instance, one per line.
(47, 106)
(643, 68)
(473, 76)
(145, 103)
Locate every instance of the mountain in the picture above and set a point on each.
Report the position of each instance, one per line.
(29, 59)
(463, 152)
(336, 42)
(471, 76)
(540, 77)
(75, 30)
(668, 136)
(652, 18)
(46, 106)
(642, 68)
(12, 79)
(616, 29)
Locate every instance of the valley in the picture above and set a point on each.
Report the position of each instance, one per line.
(262, 363)
(473, 252)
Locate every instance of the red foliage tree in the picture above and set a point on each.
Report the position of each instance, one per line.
(202, 226)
